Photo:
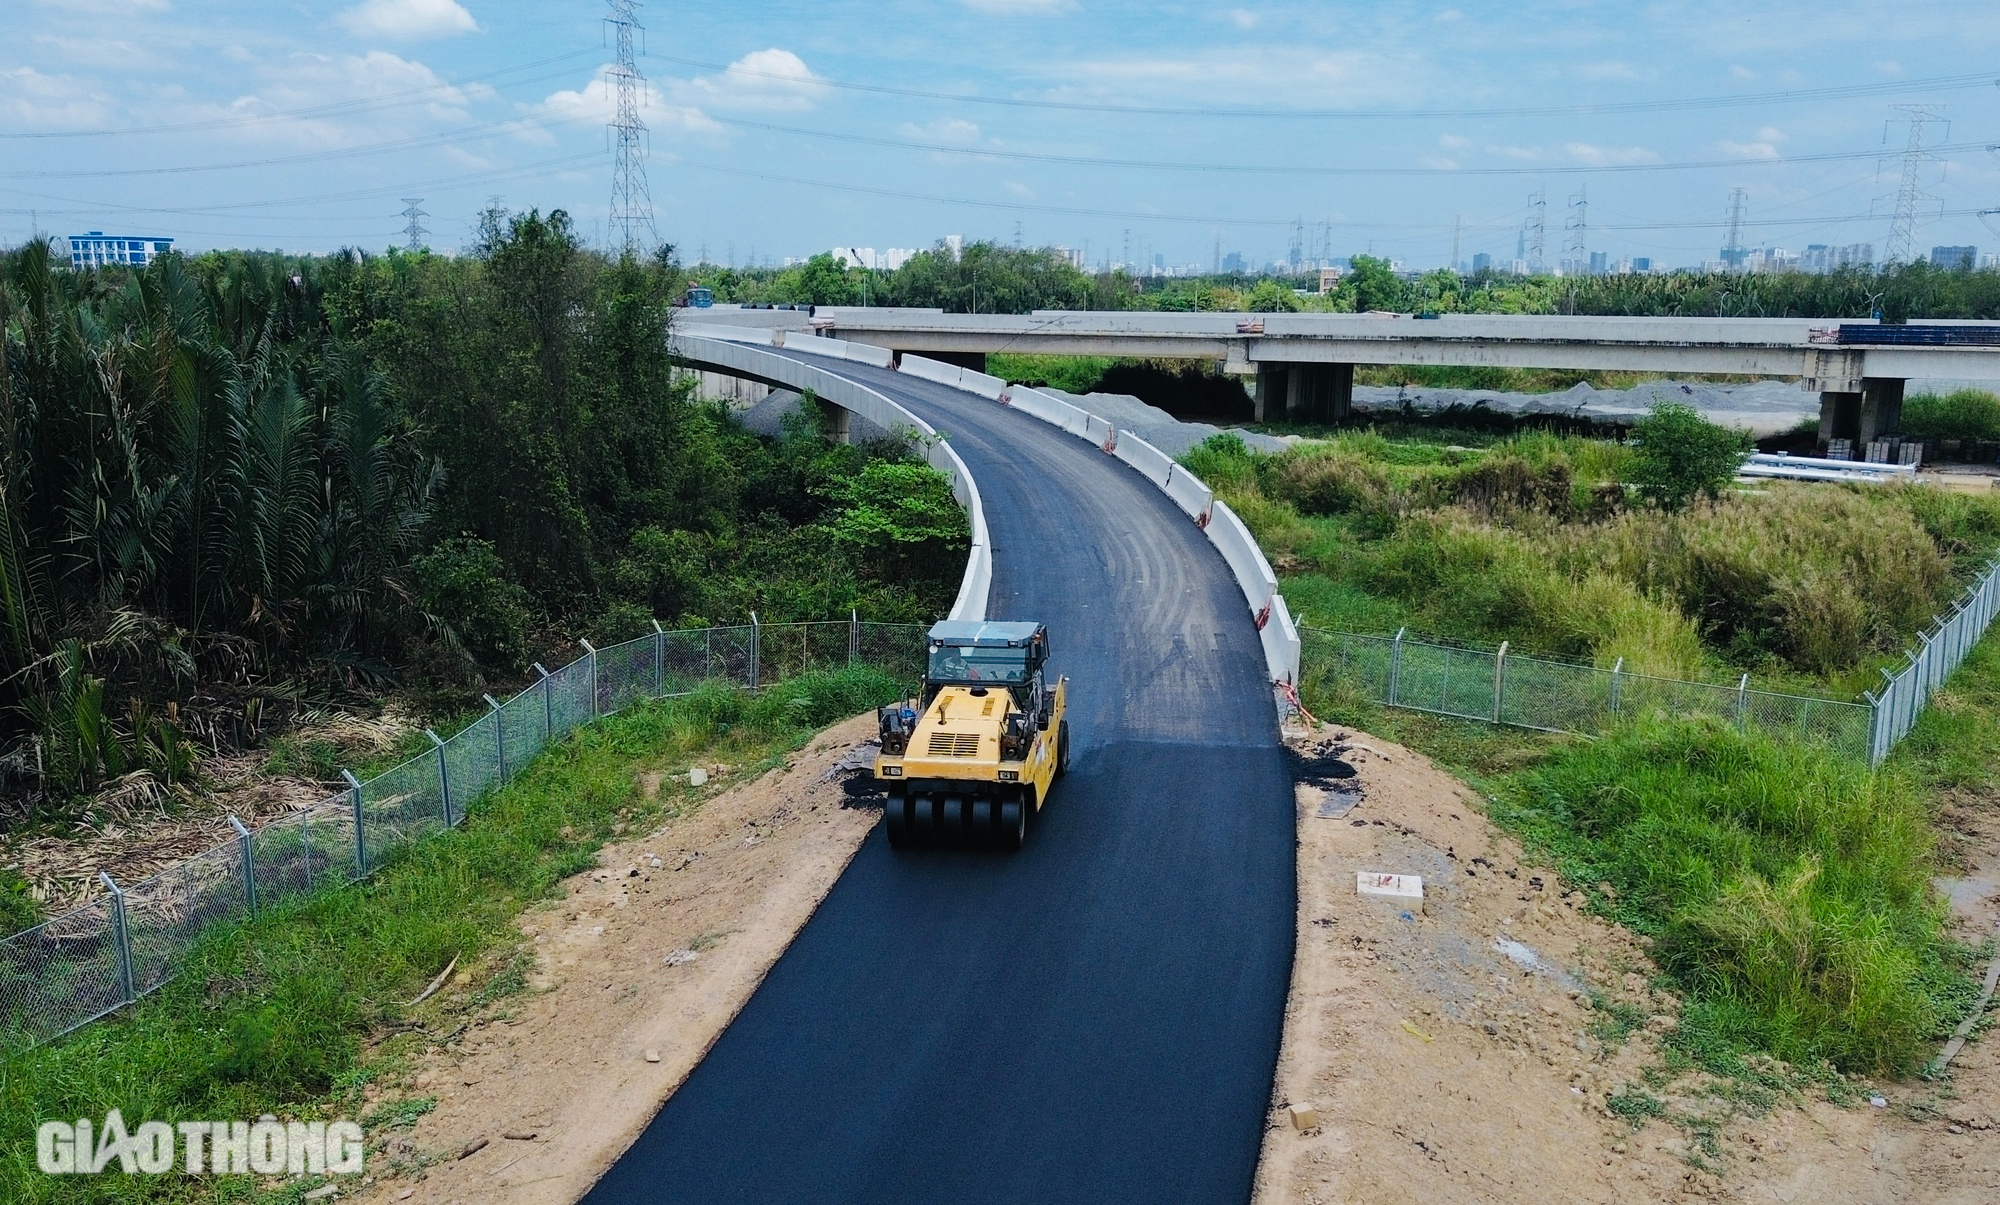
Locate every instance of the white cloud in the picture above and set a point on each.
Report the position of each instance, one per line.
(1741, 72)
(1018, 189)
(1762, 145)
(1452, 142)
(1609, 156)
(1522, 154)
(307, 80)
(408, 20)
(109, 8)
(1014, 8)
(31, 100)
(763, 79)
(1243, 17)
(1439, 162)
(598, 101)
(1889, 67)
(951, 131)
(1608, 70)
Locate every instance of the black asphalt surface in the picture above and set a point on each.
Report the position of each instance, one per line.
(1094, 1019)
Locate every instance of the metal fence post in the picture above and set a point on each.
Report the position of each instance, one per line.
(1617, 670)
(548, 718)
(1499, 679)
(249, 865)
(119, 932)
(499, 736)
(756, 641)
(1396, 665)
(659, 659)
(853, 637)
(590, 651)
(444, 778)
(1743, 704)
(360, 829)
(1874, 728)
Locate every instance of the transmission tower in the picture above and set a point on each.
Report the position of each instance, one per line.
(1295, 253)
(414, 232)
(1910, 196)
(1537, 230)
(631, 200)
(1576, 247)
(1732, 251)
(1457, 228)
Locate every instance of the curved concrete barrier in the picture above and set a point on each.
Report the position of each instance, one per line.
(738, 355)
(925, 369)
(1227, 532)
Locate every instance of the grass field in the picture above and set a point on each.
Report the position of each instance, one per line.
(1786, 890)
(272, 1015)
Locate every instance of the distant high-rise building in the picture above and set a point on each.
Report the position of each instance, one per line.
(1232, 263)
(96, 249)
(1990, 260)
(1600, 262)
(1955, 258)
(955, 243)
(1481, 262)
(1824, 257)
(1642, 263)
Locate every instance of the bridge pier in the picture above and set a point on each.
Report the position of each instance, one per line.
(1873, 412)
(1304, 393)
(839, 422)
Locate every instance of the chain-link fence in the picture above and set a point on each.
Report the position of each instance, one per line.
(1502, 687)
(75, 968)
(1940, 651)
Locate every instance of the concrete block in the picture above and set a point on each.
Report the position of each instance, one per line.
(1304, 1116)
(1392, 886)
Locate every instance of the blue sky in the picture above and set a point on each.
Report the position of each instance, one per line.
(779, 129)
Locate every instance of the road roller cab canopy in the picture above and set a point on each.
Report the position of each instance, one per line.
(976, 652)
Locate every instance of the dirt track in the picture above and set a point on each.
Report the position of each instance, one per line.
(1444, 1068)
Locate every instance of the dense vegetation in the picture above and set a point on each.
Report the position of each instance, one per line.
(297, 1011)
(1536, 539)
(238, 485)
(991, 278)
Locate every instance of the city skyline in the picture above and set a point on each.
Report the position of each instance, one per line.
(1114, 129)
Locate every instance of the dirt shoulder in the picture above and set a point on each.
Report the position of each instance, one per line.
(1453, 1051)
(647, 958)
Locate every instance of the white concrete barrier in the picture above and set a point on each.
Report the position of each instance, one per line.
(1245, 559)
(860, 353)
(1156, 466)
(926, 369)
(744, 358)
(1282, 647)
(1189, 493)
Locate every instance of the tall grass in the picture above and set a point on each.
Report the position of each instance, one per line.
(1787, 889)
(1961, 414)
(275, 1014)
(1534, 540)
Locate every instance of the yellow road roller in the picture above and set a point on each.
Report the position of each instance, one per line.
(969, 760)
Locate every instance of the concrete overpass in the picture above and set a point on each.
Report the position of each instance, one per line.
(1304, 363)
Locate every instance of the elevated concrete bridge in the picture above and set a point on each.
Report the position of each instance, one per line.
(1304, 363)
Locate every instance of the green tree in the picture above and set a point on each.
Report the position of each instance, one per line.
(1682, 455)
(1375, 287)
(1271, 297)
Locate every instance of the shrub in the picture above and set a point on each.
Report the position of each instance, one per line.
(1683, 456)
(1964, 414)
(462, 586)
(1509, 483)
(1788, 888)
(1320, 484)
(18, 909)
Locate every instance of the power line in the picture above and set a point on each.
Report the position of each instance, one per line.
(1972, 80)
(415, 231)
(631, 199)
(343, 108)
(1286, 169)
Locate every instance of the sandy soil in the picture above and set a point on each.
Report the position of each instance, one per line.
(637, 971)
(1451, 1052)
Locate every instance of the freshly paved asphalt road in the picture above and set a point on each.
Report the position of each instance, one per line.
(1094, 1019)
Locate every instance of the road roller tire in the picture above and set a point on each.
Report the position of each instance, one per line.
(1062, 748)
(923, 820)
(953, 821)
(984, 825)
(1013, 823)
(896, 820)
